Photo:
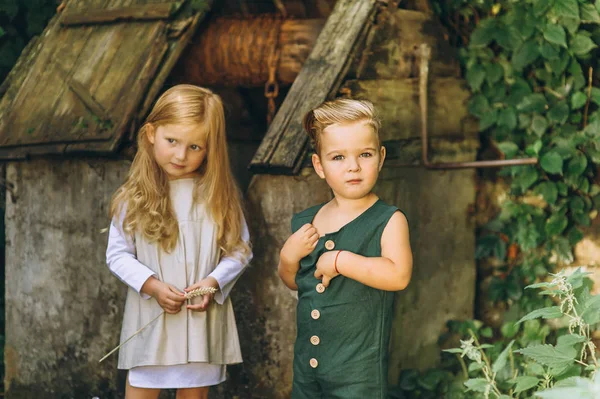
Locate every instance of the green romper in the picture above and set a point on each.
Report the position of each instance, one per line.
(341, 348)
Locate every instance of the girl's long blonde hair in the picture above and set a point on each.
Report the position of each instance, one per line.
(145, 193)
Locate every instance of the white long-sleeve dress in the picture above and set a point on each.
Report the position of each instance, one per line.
(187, 349)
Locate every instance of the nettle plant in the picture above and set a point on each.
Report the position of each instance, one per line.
(568, 369)
(530, 67)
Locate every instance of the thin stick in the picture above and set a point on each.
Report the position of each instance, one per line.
(127, 340)
(188, 295)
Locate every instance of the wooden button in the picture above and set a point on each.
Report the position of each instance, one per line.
(315, 340)
(315, 314)
(314, 363)
(329, 245)
(320, 288)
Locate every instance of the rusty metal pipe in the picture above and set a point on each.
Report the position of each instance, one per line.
(424, 54)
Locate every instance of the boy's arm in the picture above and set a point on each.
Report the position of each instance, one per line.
(390, 272)
(297, 246)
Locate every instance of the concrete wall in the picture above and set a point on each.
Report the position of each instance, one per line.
(442, 288)
(63, 307)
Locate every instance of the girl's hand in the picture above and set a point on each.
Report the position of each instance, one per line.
(204, 300)
(300, 244)
(168, 297)
(326, 267)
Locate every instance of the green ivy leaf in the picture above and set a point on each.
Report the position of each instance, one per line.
(484, 33)
(525, 55)
(549, 51)
(556, 224)
(540, 7)
(548, 190)
(533, 103)
(555, 34)
(488, 120)
(578, 100)
(581, 45)
(574, 236)
(493, 73)
(539, 124)
(570, 24)
(577, 164)
(475, 77)
(595, 95)
(479, 105)
(577, 74)
(552, 162)
(508, 38)
(559, 113)
(589, 14)
(508, 118)
(563, 249)
(526, 382)
(534, 149)
(508, 148)
(558, 358)
(566, 8)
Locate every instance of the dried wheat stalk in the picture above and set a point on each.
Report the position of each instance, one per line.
(188, 295)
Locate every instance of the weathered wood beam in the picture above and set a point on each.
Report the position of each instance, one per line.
(137, 12)
(200, 63)
(283, 147)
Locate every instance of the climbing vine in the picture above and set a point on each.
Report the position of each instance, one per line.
(532, 69)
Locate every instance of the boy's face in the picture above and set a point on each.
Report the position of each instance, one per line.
(178, 149)
(350, 159)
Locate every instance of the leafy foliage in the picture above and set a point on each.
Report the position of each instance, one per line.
(546, 370)
(20, 20)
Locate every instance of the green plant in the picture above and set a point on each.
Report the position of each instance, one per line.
(567, 368)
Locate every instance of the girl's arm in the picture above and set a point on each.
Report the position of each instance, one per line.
(390, 272)
(122, 261)
(230, 268)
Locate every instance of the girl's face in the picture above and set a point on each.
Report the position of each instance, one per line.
(350, 159)
(178, 149)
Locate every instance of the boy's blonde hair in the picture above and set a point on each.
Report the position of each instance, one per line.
(340, 111)
(145, 193)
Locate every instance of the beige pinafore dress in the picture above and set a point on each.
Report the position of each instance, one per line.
(185, 338)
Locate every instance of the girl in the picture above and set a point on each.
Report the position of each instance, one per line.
(346, 258)
(177, 225)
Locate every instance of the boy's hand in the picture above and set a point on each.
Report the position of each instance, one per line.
(168, 297)
(300, 244)
(204, 301)
(326, 267)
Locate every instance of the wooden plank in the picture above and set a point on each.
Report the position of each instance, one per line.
(136, 12)
(175, 50)
(284, 144)
(126, 101)
(31, 109)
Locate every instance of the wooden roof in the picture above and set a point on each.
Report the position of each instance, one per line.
(284, 146)
(83, 84)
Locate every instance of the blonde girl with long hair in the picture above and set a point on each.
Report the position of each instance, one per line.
(178, 225)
